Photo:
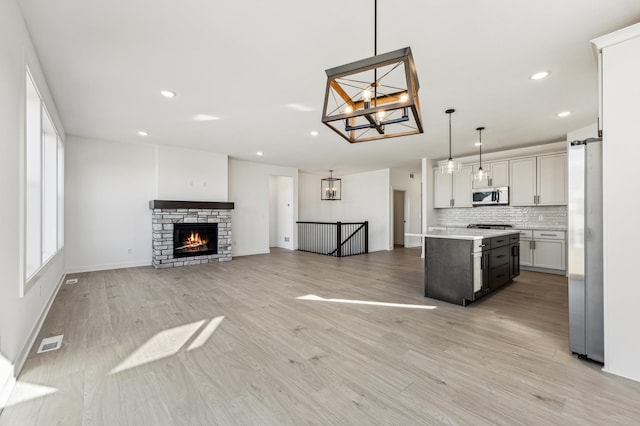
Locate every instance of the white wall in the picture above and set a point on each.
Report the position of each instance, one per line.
(249, 190)
(20, 317)
(621, 151)
(108, 188)
(401, 180)
(365, 196)
(192, 175)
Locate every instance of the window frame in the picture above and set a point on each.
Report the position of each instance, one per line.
(50, 217)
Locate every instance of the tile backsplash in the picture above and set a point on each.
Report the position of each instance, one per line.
(549, 217)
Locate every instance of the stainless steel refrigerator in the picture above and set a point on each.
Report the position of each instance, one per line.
(586, 320)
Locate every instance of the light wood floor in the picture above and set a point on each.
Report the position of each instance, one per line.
(136, 350)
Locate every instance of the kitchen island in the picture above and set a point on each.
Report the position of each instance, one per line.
(463, 265)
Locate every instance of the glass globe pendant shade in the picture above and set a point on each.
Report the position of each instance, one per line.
(480, 175)
(449, 166)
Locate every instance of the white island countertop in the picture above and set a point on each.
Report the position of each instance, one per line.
(466, 234)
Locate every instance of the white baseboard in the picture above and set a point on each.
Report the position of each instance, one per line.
(5, 391)
(249, 253)
(606, 370)
(7, 387)
(107, 266)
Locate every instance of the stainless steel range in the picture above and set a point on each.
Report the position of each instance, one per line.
(489, 226)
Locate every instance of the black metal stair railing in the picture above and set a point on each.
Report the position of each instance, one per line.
(334, 238)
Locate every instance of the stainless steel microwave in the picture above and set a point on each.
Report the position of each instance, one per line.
(491, 196)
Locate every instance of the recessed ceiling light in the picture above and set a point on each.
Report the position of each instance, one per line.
(564, 114)
(205, 117)
(478, 143)
(143, 133)
(314, 133)
(168, 93)
(299, 107)
(539, 75)
(259, 153)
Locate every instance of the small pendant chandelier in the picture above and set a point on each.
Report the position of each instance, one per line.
(449, 166)
(480, 174)
(331, 188)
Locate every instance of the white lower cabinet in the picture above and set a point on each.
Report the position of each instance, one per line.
(543, 249)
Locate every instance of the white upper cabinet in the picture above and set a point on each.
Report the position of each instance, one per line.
(539, 181)
(442, 187)
(522, 190)
(452, 190)
(552, 180)
(499, 172)
(462, 194)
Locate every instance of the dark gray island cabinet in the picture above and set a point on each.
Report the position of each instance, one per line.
(463, 265)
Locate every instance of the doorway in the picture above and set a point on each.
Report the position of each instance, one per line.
(398, 218)
(281, 212)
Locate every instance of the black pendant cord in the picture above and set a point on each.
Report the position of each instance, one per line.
(375, 51)
(480, 129)
(480, 132)
(375, 27)
(450, 111)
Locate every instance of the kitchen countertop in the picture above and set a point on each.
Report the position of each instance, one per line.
(514, 227)
(465, 234)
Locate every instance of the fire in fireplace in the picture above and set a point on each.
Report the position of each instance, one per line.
(195, 239)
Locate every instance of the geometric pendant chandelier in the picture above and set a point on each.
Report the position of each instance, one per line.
(374, 98)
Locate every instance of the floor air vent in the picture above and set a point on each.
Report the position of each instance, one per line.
(50, 344)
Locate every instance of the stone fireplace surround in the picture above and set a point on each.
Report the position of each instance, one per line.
(166, 213)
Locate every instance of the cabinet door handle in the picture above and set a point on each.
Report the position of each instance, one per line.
(534, 244)
(548, 235)
(500, 276)
(498, 257)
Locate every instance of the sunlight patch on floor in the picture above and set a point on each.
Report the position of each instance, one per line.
(161, 345)
(23, 392)
(364, 302)
(206, 333)
(169, 342)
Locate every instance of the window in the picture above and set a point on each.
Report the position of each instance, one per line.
(44, 177)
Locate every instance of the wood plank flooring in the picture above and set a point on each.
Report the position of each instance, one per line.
(295, 338)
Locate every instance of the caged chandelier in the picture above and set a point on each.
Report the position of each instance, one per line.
(331, 188)
(374, 98)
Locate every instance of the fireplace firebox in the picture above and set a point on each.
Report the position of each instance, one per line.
(195, 239)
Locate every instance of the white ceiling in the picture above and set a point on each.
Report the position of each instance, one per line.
(248, 62)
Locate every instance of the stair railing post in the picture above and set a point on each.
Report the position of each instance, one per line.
(366, 236)
(339, 239)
